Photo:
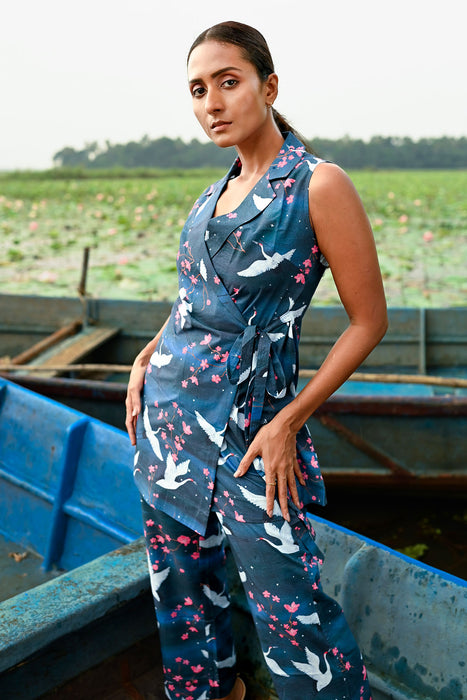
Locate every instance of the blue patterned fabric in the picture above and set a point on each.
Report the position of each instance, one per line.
(226, 363)
(307, 644)
(228, 358)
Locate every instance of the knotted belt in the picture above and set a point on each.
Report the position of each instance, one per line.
(254, 358)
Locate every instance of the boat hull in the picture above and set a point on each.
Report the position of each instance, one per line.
(53, 503)
(377, 434)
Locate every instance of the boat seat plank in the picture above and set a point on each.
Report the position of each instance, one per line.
(70, 329)
(73, 349)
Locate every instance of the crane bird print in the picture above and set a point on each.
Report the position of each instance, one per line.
(270, 262)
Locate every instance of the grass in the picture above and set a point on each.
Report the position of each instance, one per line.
(132, 225)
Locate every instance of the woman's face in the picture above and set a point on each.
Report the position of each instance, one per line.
(229, 99)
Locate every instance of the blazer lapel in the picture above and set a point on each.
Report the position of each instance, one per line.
(260, 197)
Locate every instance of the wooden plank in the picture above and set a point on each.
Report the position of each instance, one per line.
(72, 350)
(57, 336)
(58, 364)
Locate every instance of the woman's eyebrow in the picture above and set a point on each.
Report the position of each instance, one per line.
(215, 74)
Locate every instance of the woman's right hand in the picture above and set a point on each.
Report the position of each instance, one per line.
(136, 383)
(133, 397)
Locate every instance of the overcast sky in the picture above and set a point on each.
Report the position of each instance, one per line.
(92, 70)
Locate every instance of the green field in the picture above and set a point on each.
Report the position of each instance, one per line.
(132, 225)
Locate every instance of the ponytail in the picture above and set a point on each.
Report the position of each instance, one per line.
(284, 126)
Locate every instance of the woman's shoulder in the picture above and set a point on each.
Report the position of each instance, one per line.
(329, 181)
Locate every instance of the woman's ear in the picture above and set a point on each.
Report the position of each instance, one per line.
(271, 88)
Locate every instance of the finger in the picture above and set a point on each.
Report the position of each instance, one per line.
(292, 483)
(282, 495)
(246, 460)
(130, 425)
(132, 413)
(133, 402)
(270, 494)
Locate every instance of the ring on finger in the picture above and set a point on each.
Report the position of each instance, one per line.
(271, 483)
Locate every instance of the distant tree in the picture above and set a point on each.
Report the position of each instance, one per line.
(380, 152)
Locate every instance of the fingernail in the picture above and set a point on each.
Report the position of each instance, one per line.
(237, 473)
(269, 512)
(134, 412)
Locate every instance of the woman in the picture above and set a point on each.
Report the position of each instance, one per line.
(221, 447)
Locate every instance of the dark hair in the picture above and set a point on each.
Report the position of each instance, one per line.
(255, 50)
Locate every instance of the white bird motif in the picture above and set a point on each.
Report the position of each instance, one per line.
(216, 598)
(258, 464)
(242, 575)
(202, 269)
(279, 394)
(270, 262)
(216, 436)
(261, 202)
(151, 435)
(312, 669)
(311, 166)
(287, 545)
(220, 518)
(273, 665)
(258, 501)
(212, 541)
(200, 208)
(135, 459)
(172, 472)
(159, 359)
(157, 578)
(244, 375)
(236, 414)
(274, 337)
(228, 662)
(290, 315)
(312, 619)
(185, 307)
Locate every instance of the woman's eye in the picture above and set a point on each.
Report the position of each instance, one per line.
(230, 82)
(198, 91)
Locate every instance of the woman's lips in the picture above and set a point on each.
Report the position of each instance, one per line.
(220, 126)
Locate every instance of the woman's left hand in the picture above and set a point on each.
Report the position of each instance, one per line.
(276, 443)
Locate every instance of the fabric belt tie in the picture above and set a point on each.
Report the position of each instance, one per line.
(254, 359)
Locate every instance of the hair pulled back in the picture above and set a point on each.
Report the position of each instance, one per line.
(254, 49)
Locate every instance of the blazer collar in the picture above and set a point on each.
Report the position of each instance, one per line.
(257, 200)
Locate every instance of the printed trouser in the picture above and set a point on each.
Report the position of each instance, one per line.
(306, 642)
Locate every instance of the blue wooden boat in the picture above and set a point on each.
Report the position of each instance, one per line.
(405, 429)
(58, 638)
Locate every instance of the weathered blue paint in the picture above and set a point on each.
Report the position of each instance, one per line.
(409, 618)
(56, 466)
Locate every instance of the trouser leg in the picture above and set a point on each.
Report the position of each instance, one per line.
(188, 579)
(306, 642)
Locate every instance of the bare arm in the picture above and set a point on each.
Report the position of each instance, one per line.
(345, 238)
(135, 384)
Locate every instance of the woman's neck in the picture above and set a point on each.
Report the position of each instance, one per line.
(257, 154)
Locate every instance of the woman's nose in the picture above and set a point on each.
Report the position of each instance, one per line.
(213, 102)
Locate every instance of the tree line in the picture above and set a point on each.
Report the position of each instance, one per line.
(380, 152)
